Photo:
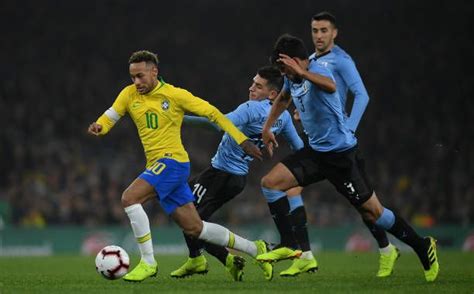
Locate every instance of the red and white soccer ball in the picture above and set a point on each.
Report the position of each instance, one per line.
(112, 262)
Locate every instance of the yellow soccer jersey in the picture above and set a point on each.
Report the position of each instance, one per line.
(158, 116)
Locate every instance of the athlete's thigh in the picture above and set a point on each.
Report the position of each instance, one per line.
(279, 178)
(139, 191)
(346, 171)
(304, 166)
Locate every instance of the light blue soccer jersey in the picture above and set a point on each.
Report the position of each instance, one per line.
(321, 113)
(250, 117)
(347, 78)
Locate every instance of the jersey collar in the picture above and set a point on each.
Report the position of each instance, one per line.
(315, 57)
(160, 84)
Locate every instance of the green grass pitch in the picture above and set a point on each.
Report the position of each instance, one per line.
(339, 273)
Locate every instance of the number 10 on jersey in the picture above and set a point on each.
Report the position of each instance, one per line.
(151, 120)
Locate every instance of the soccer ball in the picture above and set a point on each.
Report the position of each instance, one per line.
(112, 262)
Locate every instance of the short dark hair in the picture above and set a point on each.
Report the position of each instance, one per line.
(272, 75)
(289, 45)
(325, 16)
(143, 56)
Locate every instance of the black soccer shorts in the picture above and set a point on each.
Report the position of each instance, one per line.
(212, 188)
(345, 170)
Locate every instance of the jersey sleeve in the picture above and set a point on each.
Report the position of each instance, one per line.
(242, 115)
(114, 113)
(290, 134)
(198, 106)
(351, 77)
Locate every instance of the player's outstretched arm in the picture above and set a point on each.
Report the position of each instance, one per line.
(202, 122)
(111, 116)
(105, 123)
(203, 108)
(280, 103)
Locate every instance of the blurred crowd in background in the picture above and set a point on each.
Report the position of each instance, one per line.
(64, 63)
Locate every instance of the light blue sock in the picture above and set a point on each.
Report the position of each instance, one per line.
(295, 202)
(272, 195)
(386, 219)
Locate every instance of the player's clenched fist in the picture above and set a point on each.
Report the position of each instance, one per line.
(94, 129)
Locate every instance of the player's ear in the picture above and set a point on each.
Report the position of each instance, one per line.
(273, 94)
(334, 33)
(154, 71)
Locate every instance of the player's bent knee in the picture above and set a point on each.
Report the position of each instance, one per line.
(268, 182)
(128, 199)
(193, 230)
(376, 214)
(371, 209)
(368, 217)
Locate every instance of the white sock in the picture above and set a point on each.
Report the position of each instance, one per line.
(386, 250)
(307, 255)
(141, 230)
(219, 235)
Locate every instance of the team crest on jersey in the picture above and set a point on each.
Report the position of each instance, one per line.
(165, 105)
(298, 90)
(323, 63)
(305, 87)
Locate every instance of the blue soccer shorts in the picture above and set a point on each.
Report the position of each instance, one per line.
(170, 180)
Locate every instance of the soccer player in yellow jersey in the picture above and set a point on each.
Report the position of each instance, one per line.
(157, 109)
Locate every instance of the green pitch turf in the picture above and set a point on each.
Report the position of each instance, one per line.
(339, 272)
